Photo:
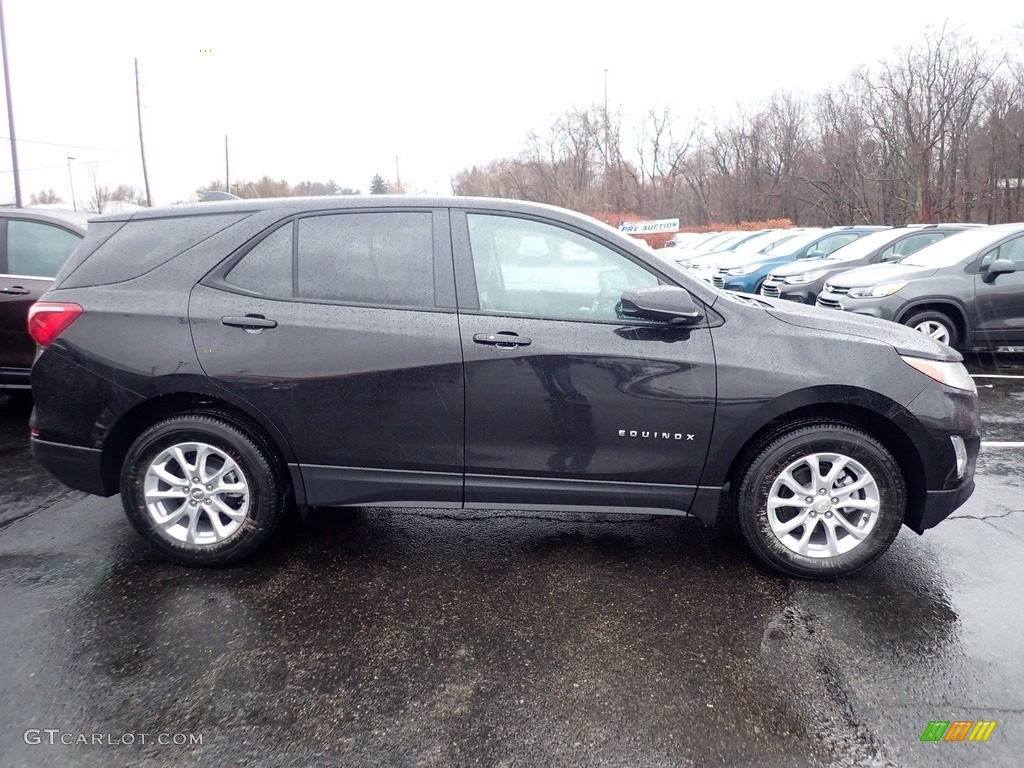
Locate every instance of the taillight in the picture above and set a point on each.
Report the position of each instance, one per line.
(48, 319)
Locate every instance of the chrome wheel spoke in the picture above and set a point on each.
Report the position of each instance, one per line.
(871, 505)
(804, 540)
(172, 518)
(831, 542)
(169, 493)
(784, 529)
(787, 479)
(853, 530)
(179, 456)
(162, 473)
(235, 514)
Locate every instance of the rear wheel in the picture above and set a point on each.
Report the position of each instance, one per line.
(821, 500)
(201, 491)
(937, 325)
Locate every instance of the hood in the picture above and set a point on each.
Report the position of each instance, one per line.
(800, 266)
(880, 273)
(713, 259)
(905, 340)
(742, 260)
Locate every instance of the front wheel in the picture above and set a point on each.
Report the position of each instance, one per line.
(937, 325)
(821, 500)
(201, 491)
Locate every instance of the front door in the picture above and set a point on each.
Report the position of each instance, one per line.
(999, 304)
(567, 402)
(340, 328)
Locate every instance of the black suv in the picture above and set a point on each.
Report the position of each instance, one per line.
(803, 280)
(218, 363)
(966, 291)
(33, 246)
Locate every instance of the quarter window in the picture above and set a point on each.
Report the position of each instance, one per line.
(530, 268)
(267, 268)
(367, 258)
(37, 250)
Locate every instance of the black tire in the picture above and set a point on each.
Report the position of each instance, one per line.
(259, 475)
(940, 318)
(769, 462)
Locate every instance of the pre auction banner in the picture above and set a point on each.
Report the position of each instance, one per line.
(649, 227)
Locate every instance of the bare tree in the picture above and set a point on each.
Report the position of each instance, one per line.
(45, 197)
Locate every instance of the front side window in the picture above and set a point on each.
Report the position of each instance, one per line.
(531, 268)
(834, 243)
(1011, 249)
(35, 249)
(909, 245)
(367, 258)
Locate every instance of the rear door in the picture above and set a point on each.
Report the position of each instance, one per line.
(999, 304)
(31, 253)
(568, 403)
(340, 327)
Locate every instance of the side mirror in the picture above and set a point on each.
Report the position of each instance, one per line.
(816, 255)
(997, 268)
(661, 302)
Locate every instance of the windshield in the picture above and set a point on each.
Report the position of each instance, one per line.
(757, 244)
(795, 244)
(866, 245)
(952, 250)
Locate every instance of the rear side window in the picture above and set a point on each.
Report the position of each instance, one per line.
(367, 258)
(142, 245)
(35, 249)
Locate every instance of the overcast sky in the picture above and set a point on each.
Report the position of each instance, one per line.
(318, 90)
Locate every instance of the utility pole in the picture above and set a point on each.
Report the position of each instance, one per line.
(10, 110)
(604, 176)
(227, 167)
(142, 148)
(71, 179)
(398, 178)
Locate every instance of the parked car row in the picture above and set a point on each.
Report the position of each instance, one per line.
(961, 284)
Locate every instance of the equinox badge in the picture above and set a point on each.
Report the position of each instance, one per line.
(651, 435)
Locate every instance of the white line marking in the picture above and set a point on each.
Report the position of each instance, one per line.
(987, 444)
(994, 376)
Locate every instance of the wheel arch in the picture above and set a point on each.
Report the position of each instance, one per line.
(140, 417)
(951, 307)
(870, 412)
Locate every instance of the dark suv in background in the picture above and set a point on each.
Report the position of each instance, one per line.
(33, 246)
(803, 280)
(220, 362)
(966, 291)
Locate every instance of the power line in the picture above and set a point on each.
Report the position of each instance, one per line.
(51, 167)
(57, 144)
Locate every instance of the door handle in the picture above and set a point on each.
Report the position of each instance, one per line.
(15, 290)
(249, 322)
(503, 339)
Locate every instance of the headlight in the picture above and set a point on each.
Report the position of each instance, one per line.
(747, 270)
(806, 277)
(877, 291)
(951, 374)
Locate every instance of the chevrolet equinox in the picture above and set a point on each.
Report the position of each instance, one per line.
(220, 363)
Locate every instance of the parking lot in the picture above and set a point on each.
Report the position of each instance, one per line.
(386, 637)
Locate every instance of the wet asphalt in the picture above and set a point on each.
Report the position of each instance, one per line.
(384, 637)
